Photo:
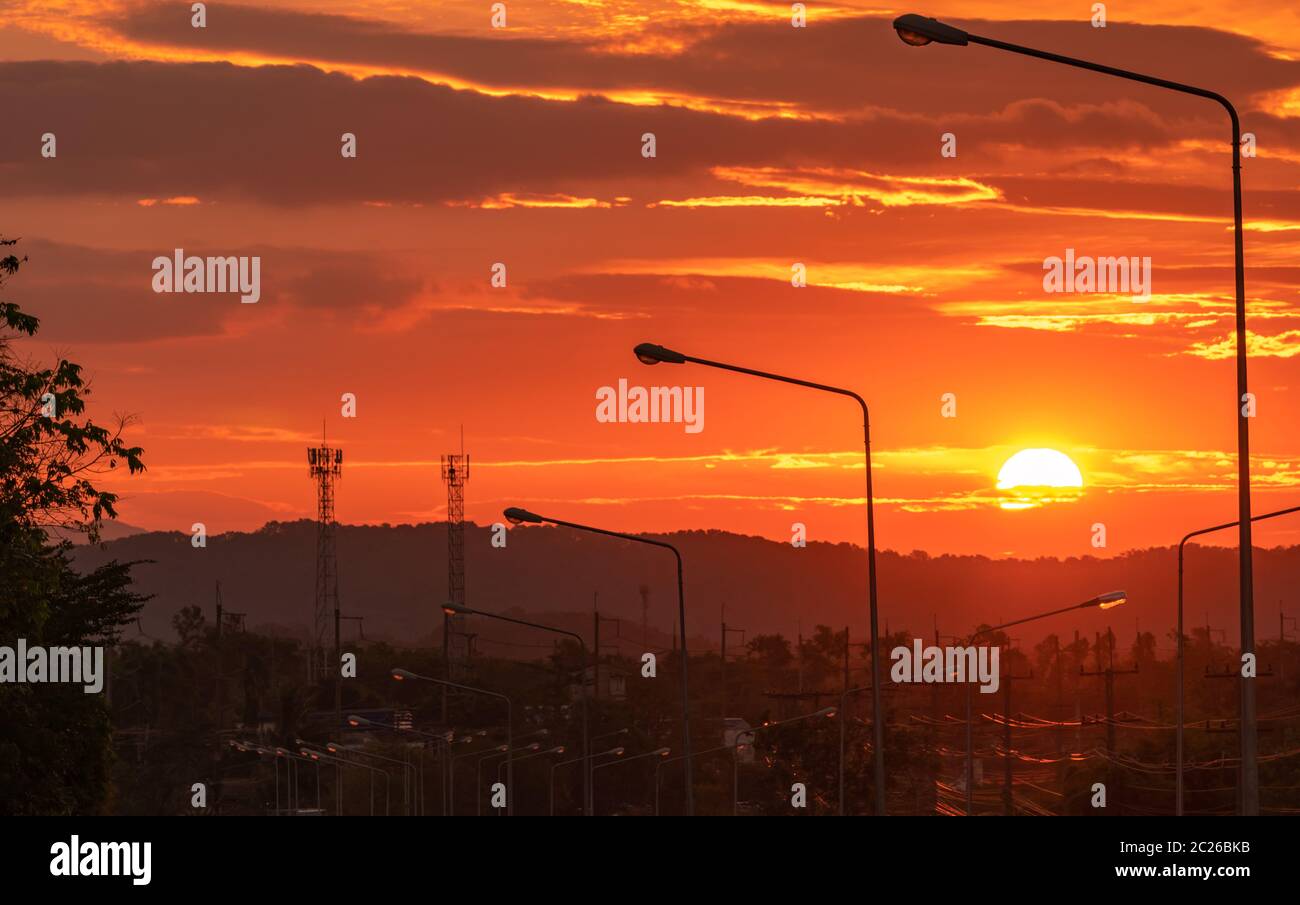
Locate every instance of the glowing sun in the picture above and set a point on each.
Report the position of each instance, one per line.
(1033, 477)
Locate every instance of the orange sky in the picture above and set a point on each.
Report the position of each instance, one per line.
(775, 146)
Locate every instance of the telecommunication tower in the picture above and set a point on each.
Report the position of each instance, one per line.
(326, 466)
(455, 643)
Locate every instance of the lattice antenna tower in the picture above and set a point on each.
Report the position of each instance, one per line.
(326, 466)
(455, 473)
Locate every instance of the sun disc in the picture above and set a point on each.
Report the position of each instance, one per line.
(1036, 476)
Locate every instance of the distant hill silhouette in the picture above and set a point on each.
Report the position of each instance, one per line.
(396, 577)
(111, 530)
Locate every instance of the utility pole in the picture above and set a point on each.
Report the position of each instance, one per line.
(1060, 710)
(221, 684)
(598, 619)
(1231, 672)
(799, 636)
(843, 716)
(1108, 674)
(1282, 620)
(338, 673)
(722, 705)
(934, 691)
(645, 617)
(1007, 798)
(224, 616)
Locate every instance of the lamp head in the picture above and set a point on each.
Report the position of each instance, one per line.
(664, 752)
(1111, 600)
(400, 675)
(451, 608)
(651, 354)
(921, 30)
(514, 515)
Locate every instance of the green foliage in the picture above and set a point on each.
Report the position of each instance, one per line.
(55, 740)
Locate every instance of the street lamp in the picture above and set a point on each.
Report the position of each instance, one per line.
(920, 30)
(478, 773)
(1178, 782)
(650, 354)
(612, 752)
(339, 764)
(737, 744)
(681, 757)
(402, 675)
(290, 778)
(658, 752)
(454, 609)
(1106, 601)
(339, 750)
(558, 749)
(518, 516)
(251, 748)
(483, 752)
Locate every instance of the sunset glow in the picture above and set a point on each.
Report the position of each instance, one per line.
(797, 217)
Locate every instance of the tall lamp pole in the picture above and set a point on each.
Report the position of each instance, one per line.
(1178, 783)
(651, 354)
(454, 609)
(920, 30)
(404, 674)
(1102, 601)
(737, 744)
(612, 752)
(658, 752)
(517, 516)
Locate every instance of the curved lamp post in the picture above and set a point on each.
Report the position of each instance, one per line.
(738, 744)
(339, 764)
(681, 757)
(1105, 601)
(250, 747)
(441, 741)
(478, 772)
(455, 609)
(1178, 782)
(651, 354)
(402, 675)
(920, 30)
(481, 753)
(612, 752)
(558, 749)
(658, 752)
(291, 777)
(519, 516)
(339, 750)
